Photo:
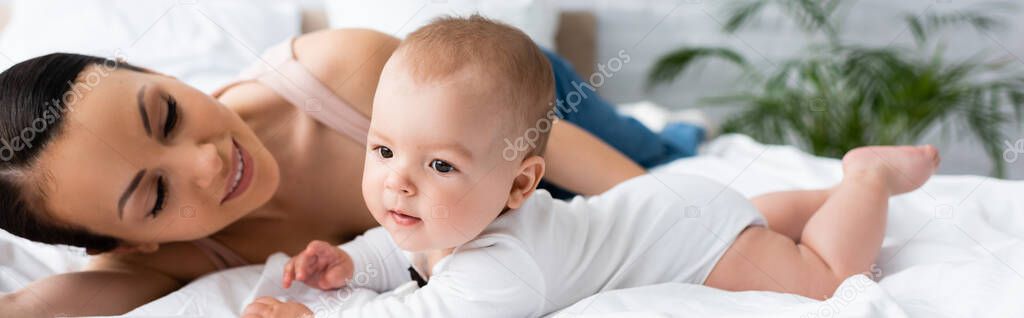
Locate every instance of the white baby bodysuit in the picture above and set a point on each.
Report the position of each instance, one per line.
(549, 254)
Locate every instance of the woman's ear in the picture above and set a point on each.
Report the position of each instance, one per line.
(147, 247)
(526, 181)
(92, 252)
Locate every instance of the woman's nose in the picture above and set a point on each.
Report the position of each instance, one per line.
(208, 165)
(399, 183)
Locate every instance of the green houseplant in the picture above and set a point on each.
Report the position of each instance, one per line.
(839, 96)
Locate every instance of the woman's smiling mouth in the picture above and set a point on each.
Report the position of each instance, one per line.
(240, 175)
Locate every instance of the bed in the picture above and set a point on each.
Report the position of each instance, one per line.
(952, 249)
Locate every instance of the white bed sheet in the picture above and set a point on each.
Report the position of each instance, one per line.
(952, 249)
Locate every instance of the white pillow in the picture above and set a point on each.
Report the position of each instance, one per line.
(204, 43)
(537, 18)
(23, 261)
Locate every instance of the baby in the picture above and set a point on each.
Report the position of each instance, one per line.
(461, 215)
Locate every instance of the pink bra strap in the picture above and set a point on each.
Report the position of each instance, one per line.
(298, 86)
(281, 72)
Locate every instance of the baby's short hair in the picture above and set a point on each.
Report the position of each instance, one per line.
(518, 69)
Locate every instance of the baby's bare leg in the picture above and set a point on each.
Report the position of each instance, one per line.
(787, 212)
(841, 239)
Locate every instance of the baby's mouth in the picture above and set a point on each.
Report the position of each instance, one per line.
(403, 219)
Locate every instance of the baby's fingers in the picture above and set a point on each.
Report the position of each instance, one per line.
(305, 265)
(335, 277)
(289, 274)
(261, 307)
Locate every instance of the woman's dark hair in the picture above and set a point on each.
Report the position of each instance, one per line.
(34, 98)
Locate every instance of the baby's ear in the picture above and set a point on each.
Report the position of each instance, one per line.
(531, 170)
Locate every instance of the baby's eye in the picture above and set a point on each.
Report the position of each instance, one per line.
(385, 152)
(441, 166)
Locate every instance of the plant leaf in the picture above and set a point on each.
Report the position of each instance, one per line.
(668, 67)
(740, 13)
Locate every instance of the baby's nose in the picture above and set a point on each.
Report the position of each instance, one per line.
(400, 184)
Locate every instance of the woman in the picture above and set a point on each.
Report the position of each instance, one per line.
(165, 183)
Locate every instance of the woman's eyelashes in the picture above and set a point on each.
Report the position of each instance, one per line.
(161, 197)
(171, 119)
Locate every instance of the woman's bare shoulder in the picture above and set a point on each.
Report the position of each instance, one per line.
(185, 261)
(180, 261)
(348, 61)
(112, 285)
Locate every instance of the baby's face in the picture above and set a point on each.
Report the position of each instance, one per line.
(434, 174)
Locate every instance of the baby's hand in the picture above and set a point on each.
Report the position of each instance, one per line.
(268, 307)
(320, 265)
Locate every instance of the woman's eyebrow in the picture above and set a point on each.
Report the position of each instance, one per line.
(128, 193)
(140, 97)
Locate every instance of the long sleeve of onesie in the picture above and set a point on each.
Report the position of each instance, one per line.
(379, 264)
(487, 278)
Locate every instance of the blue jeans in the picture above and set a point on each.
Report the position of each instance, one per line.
(577, 101)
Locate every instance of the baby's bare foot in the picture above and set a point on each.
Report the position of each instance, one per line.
(902, 168)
